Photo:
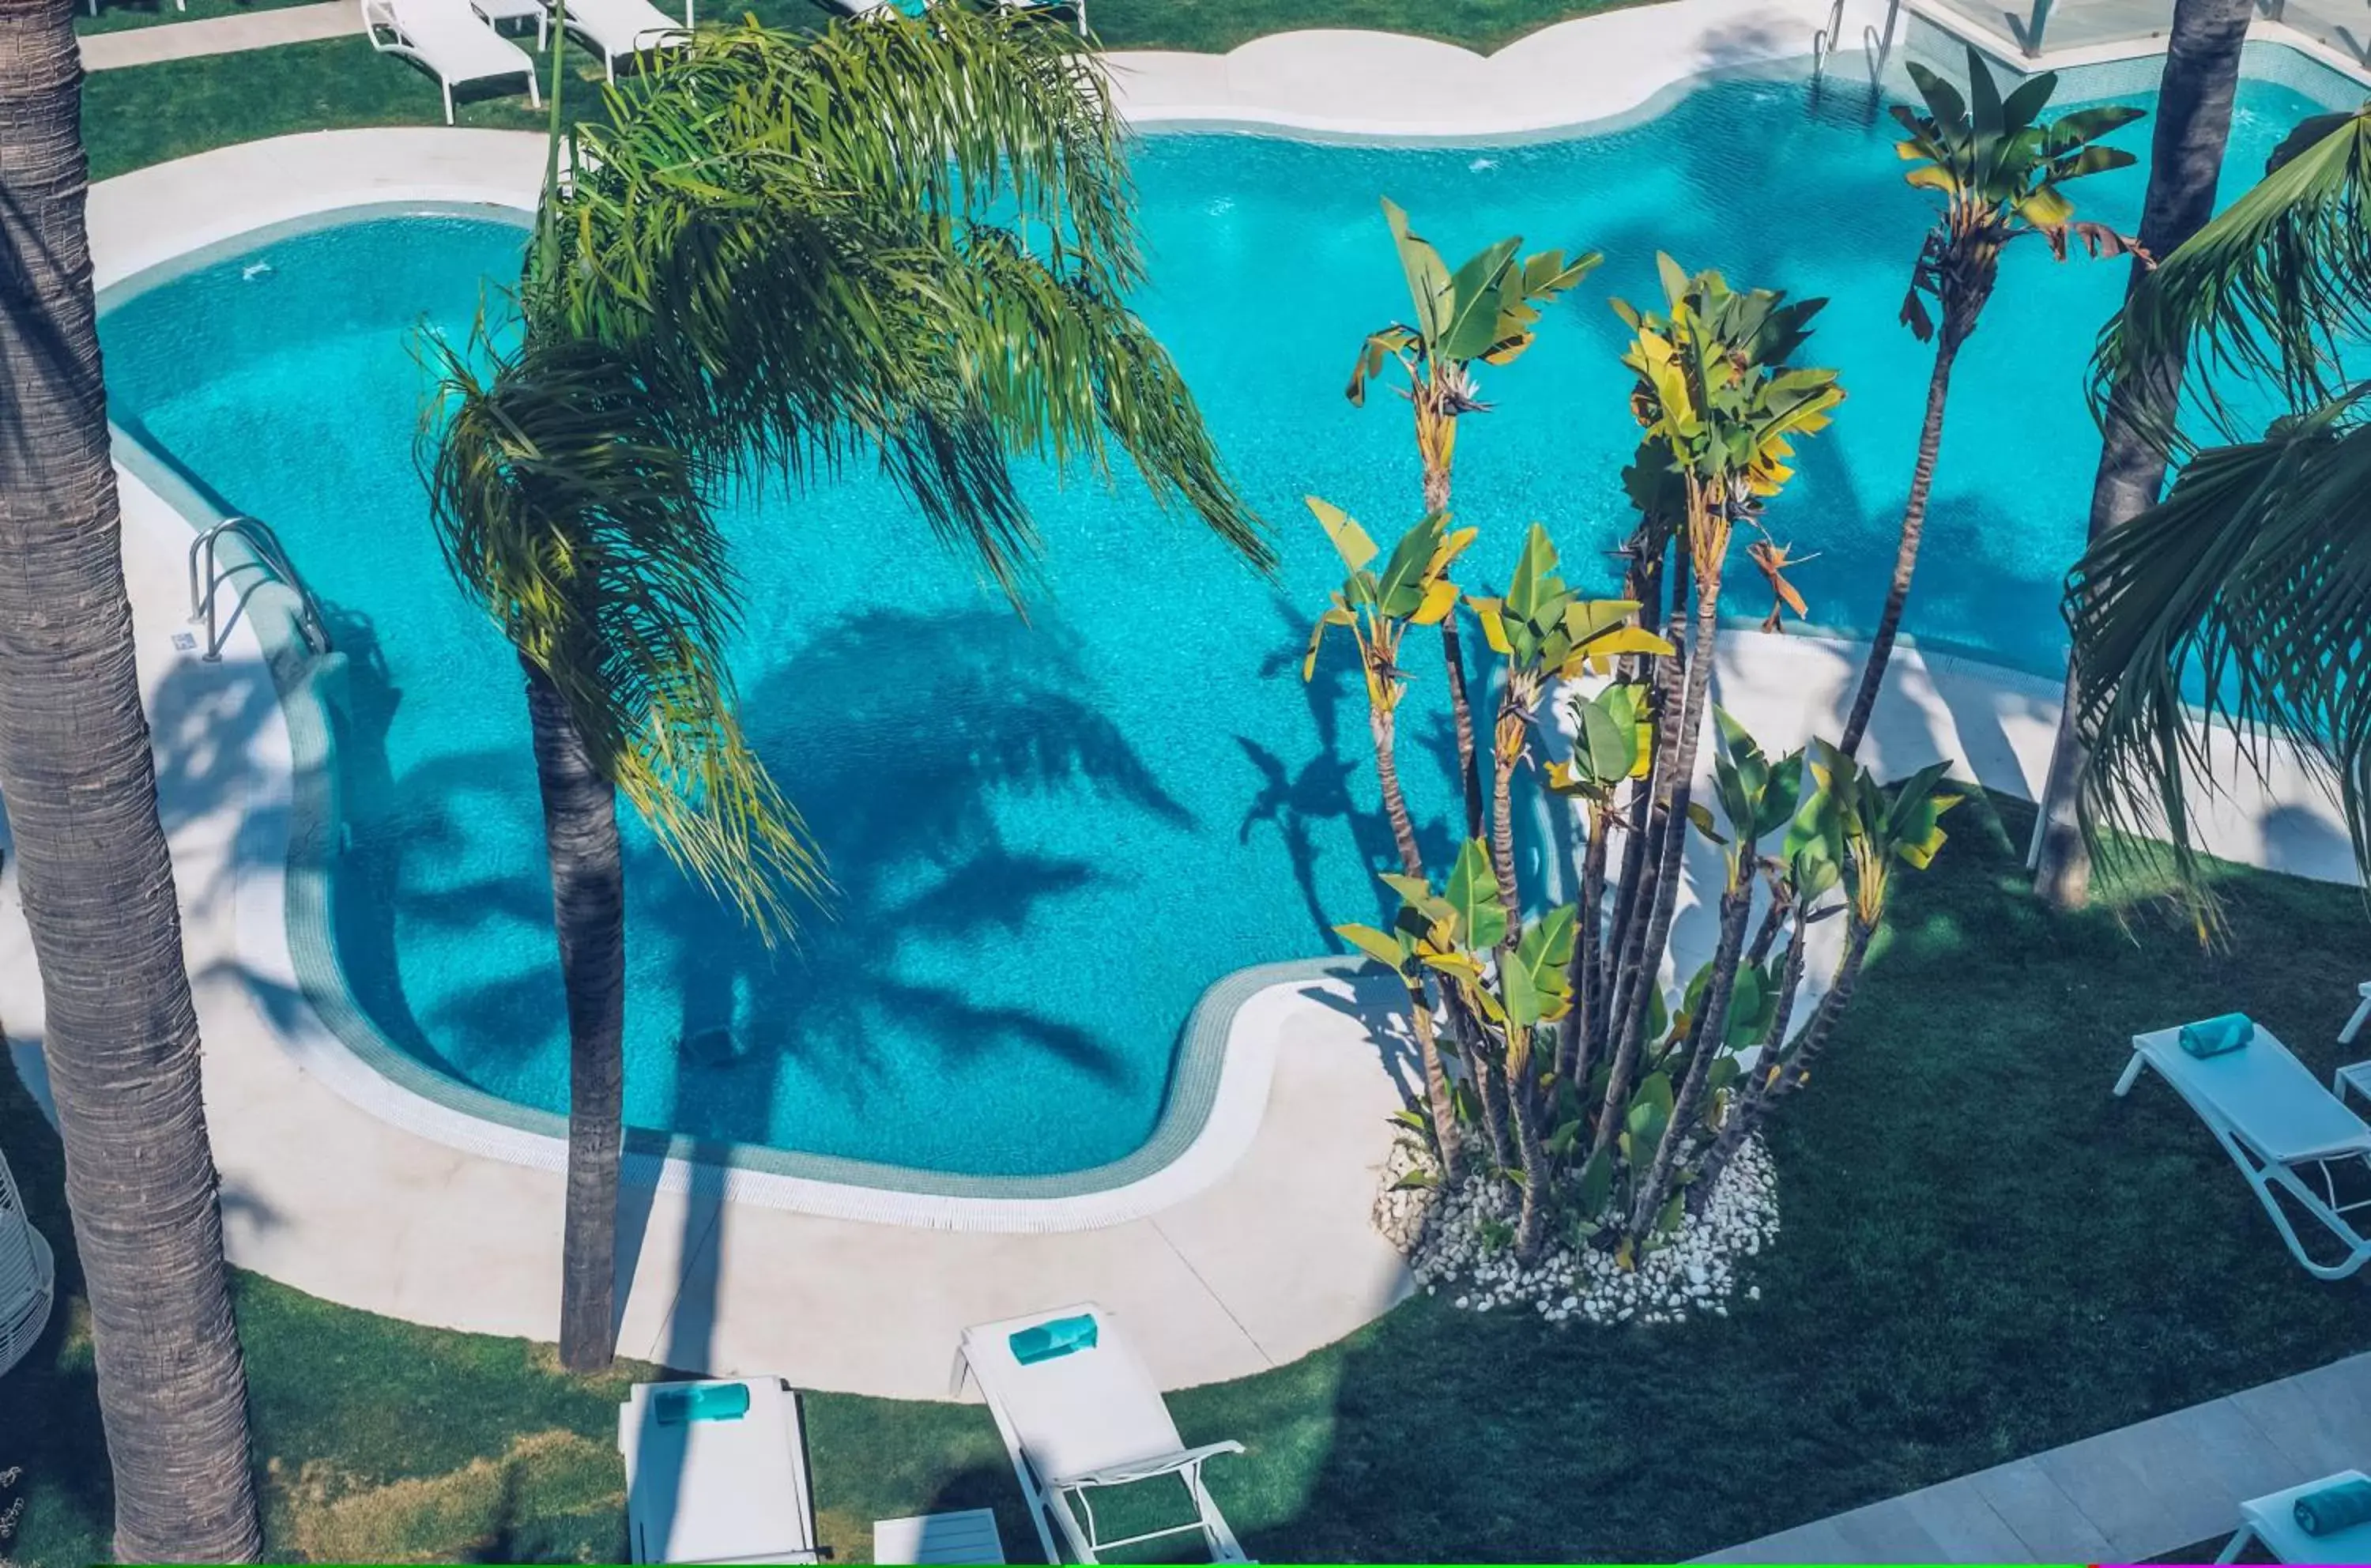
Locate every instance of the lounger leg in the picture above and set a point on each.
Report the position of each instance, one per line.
(2355, 1025)
(2240, 1540)
(448, 102)
(1216, 1534)
(2132, 1074)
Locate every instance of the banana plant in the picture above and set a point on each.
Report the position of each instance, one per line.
(1377, 606)
(2001, 174)
(1720, 403)
(1509, 975)
(1543, 631)
(1485, 312)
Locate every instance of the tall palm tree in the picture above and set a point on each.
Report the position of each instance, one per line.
(2194, 123)
(908, 240)
(93, 869)
(2250, 582)
(1999, 172)
(1484, 312)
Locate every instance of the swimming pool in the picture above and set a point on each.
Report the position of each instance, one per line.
(1049, 838)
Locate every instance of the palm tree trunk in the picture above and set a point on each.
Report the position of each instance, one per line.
(1383, 724)
(1948, 339)
(1574, 1036)
(1533, 1211)
(1824, 1017)
(2194, 123)
(588, 903)
(1469, 776)
(1630, 1015)
(1706, 1037)
(1745, 1112)
(1507, 750)
(94, 871)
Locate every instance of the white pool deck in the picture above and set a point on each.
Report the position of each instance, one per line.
(1252, 1264)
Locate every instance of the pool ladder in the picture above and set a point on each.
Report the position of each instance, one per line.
(1876, 46)
(207, 574)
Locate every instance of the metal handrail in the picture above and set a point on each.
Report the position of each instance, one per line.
(1824, 41)
(271, 558)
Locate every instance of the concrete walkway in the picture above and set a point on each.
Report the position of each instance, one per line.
(2137, 1492)
(221, 35)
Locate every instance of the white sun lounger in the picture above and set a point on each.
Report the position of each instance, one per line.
(1089, 1418)
(619, 30)
(2362, 1014)
(2272, 1520)
(2280, 1127)
(451, 39)
(706, 1491)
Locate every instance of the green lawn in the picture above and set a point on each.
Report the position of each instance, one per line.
(146, 114)
(1983, 1255)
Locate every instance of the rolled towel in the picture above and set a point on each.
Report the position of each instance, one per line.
(2214, 1036)
(1059, 1336)
(704, 1401)
(2334, 1508)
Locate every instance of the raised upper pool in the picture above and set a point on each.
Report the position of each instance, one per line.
(1050, 837)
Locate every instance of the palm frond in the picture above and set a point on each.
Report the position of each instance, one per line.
(905, 239)
(2275, 287)
(565, 509)
(2251, 583)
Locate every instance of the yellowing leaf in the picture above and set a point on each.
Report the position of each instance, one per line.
(1439, 598)
(1351, 541)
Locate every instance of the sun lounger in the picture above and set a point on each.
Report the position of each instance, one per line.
(2286, 1133)
(1077, 1410)
(2272, 1520)
(716, 1472)
(2362, 1014)
(969, 1536)
(452, 40)
(619, 30)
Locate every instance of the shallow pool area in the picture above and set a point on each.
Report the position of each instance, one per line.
(1050, 837)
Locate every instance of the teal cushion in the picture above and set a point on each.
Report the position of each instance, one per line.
(704, 1401)
(2334, 1508)
(2214, 1036)
(1059, 1336)
(911, 8)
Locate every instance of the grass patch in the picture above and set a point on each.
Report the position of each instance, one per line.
(1983, 1255)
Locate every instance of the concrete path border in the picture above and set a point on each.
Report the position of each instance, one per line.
(2123, 1496)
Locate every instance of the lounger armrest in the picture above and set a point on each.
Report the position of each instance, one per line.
(1145, 1470)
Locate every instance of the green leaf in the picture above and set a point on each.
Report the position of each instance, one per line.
(1473, 898)
(1596, 1183)
(2024, 105)
(1428, 276)
(1749, 1013)
(1667, 1222)
(1400, 587)
(1473, 321)
(1385, 948)
(1415, 1180)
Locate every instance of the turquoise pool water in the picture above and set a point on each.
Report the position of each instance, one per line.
(1049, 838)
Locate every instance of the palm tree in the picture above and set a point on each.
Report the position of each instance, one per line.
(1999, 172)
(2252, 578)
(906, 240)
(2193, 122)
(1484, 312)
(93, 868)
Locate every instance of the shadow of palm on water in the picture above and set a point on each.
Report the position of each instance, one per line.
(913, 745)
